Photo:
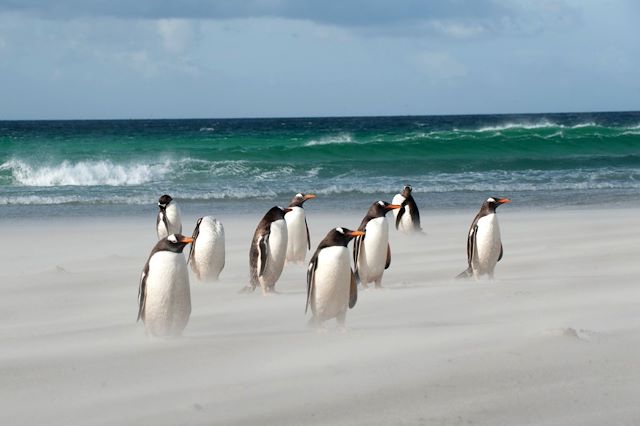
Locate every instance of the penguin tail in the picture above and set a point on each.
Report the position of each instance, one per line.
(467, 273)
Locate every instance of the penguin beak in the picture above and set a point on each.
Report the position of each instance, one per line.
(504, 200)
(309, 196)
(288, 209)
(393, 206)
(186, 240)
(355, 233)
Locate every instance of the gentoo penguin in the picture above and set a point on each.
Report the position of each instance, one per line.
(268, 250)
(407, 217)
(299, 241)
(371, 252)
(206, 257)
(484, 247)
(331, 285)
(164, 299)
(168, 221)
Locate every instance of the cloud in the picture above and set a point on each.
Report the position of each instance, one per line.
(455, 19)
(177, 34)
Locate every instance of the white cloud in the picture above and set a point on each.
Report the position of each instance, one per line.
(461, 30)
(177, 34)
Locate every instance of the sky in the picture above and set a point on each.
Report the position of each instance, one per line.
(85, 59)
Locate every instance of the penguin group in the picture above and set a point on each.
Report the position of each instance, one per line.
(282, 236)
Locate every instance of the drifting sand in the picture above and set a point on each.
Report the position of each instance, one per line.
(555, 340)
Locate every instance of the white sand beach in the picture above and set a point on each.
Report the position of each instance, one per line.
(554, 340)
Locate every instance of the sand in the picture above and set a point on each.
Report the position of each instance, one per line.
(554, 340)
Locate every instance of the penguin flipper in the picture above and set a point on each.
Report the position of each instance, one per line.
(356, 251)
(353, 291)
(308, 236)
(471, 242)
(400, 213)
(263, 253)
(311, 279)
(142, 292)
(388, 262)
(195, 234)
(163, 216)
(501, 253)
(414, 212)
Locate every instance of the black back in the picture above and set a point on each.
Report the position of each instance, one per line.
(261, 236)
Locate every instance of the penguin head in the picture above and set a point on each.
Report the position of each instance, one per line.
(493, 202)
(300, 198)
(341, 236)
(406, 191)
(164, 201)
(381, 208)
(174, 243)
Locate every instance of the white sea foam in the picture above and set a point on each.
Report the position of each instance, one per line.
(543, 124)
(84, 173)
(75, 199)
(332, 140)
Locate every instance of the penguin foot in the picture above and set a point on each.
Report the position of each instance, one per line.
(247, 289)
(467, 273)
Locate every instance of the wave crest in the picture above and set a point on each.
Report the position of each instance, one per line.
(84, 173)
(331, 140)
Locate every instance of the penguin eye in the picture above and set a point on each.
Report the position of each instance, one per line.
(381, 203)
(491, 200)
(299, 195)
(340, 230)
(172, 238)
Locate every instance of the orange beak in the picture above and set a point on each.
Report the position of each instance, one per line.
(309, 196)
(288, 209)
(355, 233)
(504, 200)
(186, 240)
(393, 206)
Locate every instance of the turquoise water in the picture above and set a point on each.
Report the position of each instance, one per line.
(84, 167)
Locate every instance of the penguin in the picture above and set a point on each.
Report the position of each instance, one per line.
(299, 240)
(168, 221)
(484, 247)
(407, 217)
(371, 252)
(206, 257)
(331, 284)
(164, 298)
(268, 250)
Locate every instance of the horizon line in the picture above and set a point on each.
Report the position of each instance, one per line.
(324, 116)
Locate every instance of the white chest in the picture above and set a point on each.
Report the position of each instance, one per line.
(332, 281)
(297, 234)
(167, 270)
(377, 239)
(278, 240)
(209, 250)
(488, 238)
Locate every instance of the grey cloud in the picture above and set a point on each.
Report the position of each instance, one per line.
(335, 12)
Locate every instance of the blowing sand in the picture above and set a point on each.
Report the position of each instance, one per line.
(554, 340)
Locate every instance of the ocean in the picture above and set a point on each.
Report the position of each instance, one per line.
(121, 167)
